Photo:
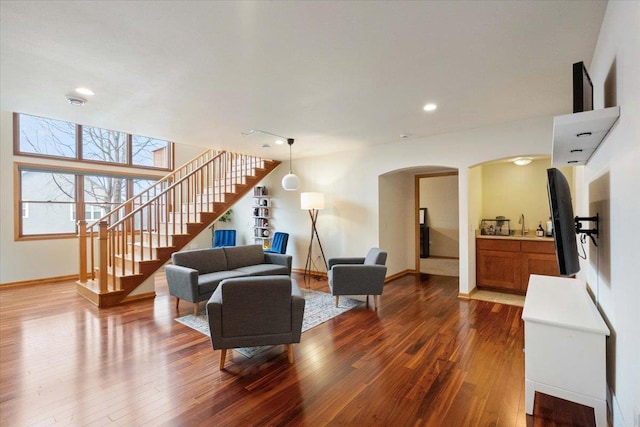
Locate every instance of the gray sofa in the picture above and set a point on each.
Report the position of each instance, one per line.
(195, 274)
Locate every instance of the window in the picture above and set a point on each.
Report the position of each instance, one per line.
(149, 152)
(42, 137)
(49, 196)
(47, 137)
(103, 145)
(49, 199)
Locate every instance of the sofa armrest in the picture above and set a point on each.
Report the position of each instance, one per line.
(279, 259)
(344, 260)
(214, 311)
(182, 282)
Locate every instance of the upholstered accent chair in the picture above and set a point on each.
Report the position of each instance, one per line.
(255, 311)
(358, 276)
(222, 238)
(279, 243)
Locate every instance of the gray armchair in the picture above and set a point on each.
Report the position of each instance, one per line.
(255, 311)
(358, 276)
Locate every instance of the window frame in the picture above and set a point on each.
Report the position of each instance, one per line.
(78, 201)
(79, 148)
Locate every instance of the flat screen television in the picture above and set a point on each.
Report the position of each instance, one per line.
(564, 229)
(582, 89)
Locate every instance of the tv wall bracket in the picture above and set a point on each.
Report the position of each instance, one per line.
(588, 231)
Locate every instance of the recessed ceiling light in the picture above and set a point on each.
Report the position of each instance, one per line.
(429, 107)
(279, 141)
(76, 101)
(522, 161)
(84, 91)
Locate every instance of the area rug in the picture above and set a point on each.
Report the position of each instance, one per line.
(319, 307)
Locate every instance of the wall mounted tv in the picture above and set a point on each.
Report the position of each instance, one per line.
(564, 228)
(582, 89)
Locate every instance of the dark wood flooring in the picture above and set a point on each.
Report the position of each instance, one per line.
(423, 358)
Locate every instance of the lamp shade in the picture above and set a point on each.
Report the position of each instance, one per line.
(311, 201)
(290, 182)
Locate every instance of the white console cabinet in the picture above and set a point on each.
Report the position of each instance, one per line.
(564, 339)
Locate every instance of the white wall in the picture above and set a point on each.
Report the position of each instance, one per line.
(610, 185)
(369, 194)
(40, 259)
(439, 194)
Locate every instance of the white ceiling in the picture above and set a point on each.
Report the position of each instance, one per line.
(333, 75)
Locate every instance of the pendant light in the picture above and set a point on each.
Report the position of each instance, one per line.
(290, 182)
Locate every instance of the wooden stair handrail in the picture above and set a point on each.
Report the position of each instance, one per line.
(162, 180)
(166, 190)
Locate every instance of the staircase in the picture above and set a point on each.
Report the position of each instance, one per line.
(124, 248)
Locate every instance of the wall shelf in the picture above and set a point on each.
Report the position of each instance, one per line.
(577, 136)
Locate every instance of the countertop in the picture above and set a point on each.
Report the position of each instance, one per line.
(517, 237)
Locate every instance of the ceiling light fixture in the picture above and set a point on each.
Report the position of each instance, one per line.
(522, 161)
(76, 101)
(290, 182)
(430, 107)
(84, 91)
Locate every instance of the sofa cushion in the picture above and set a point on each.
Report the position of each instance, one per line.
(263, 270)
(270, 302)
(242, 256)
(207, 283)
(204, 260)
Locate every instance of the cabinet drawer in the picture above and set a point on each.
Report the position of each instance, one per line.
(498, 245)
(534, 247)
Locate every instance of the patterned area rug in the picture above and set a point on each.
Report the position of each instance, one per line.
(319, 307)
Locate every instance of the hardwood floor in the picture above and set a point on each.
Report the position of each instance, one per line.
(424, 358)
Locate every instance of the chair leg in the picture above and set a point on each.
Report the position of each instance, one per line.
(289, 348)
(375, 302)
(223, 356)
(177, 302)
(196, 308)
(337, 298)
(366, 301)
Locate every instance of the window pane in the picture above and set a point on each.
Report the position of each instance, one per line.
(50, 196)
(47, 186)
(149, 152)
(47, 137)
(104, 145)
(48, 218)
(104, 193)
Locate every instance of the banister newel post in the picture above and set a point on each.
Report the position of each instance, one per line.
(82, 236)
(102, 245)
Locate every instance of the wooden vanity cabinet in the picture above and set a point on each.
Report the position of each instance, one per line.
(505, 264)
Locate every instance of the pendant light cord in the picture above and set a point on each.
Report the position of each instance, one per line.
(290, 142)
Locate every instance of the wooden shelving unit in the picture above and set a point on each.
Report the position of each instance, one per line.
(261, 216)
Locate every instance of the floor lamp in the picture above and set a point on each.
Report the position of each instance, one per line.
(312, 202)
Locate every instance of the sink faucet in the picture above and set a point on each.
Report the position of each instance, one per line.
(521, 221)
